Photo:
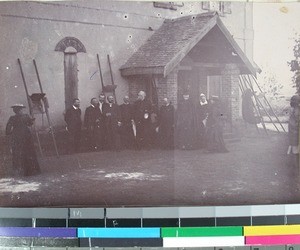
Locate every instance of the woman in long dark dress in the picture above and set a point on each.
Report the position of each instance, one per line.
(215, 141)
(24, 159)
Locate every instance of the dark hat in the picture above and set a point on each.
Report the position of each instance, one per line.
(36, 97)
(295, 101)
(295, 98)
(21, 106)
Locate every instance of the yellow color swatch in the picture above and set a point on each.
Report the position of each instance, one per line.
(271, 230)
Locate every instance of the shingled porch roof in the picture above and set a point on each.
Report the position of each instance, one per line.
(165, 49)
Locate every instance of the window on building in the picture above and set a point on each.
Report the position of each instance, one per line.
(225, 7)
(168, 5)
(206, 5)
(222, 7)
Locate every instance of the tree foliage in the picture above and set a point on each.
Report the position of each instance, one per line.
(295, 64)
(270, 85)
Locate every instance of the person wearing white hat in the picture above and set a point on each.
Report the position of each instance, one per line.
(24, 159)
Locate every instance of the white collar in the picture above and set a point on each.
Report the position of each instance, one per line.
(75, 107)
(203, 103)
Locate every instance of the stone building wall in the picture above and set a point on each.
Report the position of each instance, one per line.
(167, 87)
(31, 30)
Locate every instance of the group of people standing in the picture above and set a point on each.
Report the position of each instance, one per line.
(136, 126)
(200, 125)
(141, 125)
(109, 126)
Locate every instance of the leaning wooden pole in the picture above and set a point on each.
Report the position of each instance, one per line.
(257, 105)
(46, 110)
(100, 71)
(30, 106)
(266, 100)
(263, 107)
(112, 78)
(26, 90)
(243, 91)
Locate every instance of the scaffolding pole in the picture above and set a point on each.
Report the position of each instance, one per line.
(46, 110)
(30, 107)
(266, 100)
(263, 107)
(257, 106)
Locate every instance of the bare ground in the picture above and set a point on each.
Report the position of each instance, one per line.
(255, 171)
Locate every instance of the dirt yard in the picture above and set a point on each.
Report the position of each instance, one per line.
(255, 171)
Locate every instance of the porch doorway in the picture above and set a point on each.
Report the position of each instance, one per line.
(214, 86)
(193, 82)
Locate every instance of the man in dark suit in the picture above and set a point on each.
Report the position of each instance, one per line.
(101, 126)
(73, 120)
(127, 134)
(166, 125)
(113, 123)
(91, 123)
(142, 119)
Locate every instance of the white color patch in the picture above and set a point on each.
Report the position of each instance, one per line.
(16, 186)
(133, 176)
(203, 241)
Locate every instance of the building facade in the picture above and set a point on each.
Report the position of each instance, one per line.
(64, 39)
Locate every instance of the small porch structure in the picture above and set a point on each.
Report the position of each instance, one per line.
(195, 54)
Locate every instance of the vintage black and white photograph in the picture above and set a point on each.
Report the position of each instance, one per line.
(128, 103)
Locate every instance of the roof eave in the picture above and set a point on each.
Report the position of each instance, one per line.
(236, 47)
(159, 70)
(182, 53)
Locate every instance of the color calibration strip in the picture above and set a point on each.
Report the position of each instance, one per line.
(165, 237)
(272, 235)
(203, 237)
